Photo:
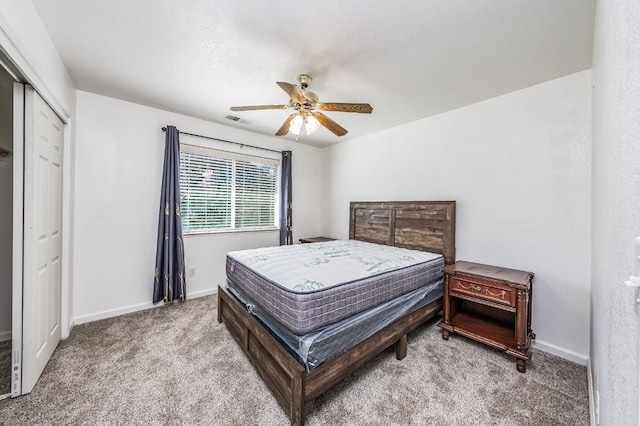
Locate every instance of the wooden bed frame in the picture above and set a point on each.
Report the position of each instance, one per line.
(420, 225)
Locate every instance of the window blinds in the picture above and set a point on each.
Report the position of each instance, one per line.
(226, 192)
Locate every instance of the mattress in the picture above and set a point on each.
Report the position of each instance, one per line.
(308, 286)
(318, 346)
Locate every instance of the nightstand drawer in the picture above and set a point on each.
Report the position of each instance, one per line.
(494, 292)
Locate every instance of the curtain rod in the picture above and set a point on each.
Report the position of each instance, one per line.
(242, 145)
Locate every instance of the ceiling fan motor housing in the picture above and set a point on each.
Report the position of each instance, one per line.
(304, 81)
(311, 96)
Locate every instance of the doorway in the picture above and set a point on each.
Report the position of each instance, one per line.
(6, 227)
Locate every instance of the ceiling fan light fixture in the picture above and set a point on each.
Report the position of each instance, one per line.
(296, 125)
(311, 124)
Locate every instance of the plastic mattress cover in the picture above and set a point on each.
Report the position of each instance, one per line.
(318, 346)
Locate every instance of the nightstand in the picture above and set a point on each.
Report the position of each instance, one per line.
(315, 239)
(491, 305)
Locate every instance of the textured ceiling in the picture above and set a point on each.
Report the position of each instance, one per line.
(409, 59)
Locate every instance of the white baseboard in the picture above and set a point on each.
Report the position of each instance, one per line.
(134, 308)
(592, 395)
(5, 335)
(561, 352)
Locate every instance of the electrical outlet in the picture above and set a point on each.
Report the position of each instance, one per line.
(192, 272)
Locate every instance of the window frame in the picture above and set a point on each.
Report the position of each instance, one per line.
(234, 157)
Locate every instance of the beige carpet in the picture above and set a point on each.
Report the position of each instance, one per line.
(177, 365)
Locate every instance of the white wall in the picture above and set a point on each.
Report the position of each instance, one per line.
(615, 351)
(518, 167)
(118, 174)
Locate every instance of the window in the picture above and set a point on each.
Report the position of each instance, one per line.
(225, 191)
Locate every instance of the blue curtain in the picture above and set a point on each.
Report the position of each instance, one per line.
(286, 236)
(169, 280)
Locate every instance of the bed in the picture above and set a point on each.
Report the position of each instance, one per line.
(423, 225)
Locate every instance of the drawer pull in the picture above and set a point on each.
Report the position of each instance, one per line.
(478, 288)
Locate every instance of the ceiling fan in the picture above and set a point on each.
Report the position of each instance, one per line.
(307, 109)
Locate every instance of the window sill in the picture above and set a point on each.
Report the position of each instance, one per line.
(228, 231)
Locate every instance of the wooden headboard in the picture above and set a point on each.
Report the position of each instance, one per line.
(419, 225)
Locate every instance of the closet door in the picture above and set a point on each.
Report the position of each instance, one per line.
(43, 142)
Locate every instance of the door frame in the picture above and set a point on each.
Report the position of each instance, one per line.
(18, 239)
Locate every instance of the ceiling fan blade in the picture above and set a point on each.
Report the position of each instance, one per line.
(337, 129)
(293, 91)
(345, 107)
(254, 107)
(284, 129)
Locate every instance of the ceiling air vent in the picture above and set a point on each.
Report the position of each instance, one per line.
(232, 117)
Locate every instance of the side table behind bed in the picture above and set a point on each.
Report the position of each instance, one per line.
(315, 239)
